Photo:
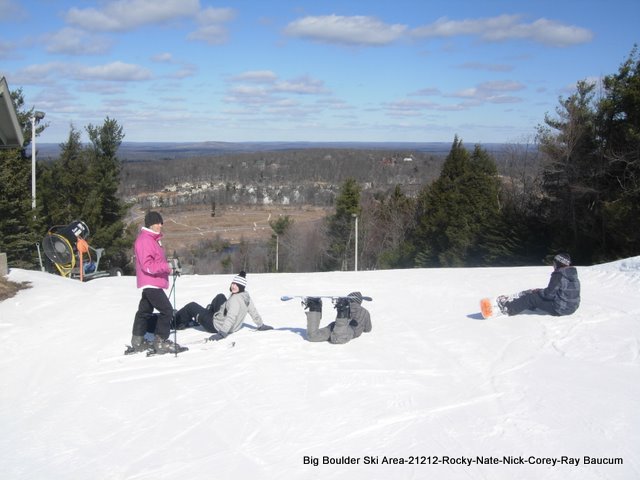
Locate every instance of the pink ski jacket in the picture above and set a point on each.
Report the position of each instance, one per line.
(152, 267)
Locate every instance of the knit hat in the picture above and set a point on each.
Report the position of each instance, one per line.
(355, 297)
(240, 280)
(563, 259)
(152, 218)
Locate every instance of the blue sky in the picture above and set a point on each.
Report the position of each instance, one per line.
(414, 71)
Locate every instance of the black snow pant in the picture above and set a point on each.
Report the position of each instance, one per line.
(530, 301)
(202, 315)
(153, 298)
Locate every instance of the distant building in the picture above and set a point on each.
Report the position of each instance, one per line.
(10, 130)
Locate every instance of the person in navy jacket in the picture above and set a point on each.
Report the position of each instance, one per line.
(561, 297)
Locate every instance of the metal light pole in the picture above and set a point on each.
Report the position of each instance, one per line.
(277, 253)
(37, 116)
(356, 253)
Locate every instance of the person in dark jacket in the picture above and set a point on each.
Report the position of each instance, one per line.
(561, 297)
(351, 320)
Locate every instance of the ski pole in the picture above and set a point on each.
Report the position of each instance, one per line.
(173, 289)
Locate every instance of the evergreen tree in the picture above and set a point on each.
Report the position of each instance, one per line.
(20, 225)
(18, 222)
(280, 227)
(340, 226)
(571, 206)
(453, 213)
(103, 211)
(618, 123)
(64, 183)
(385, 243)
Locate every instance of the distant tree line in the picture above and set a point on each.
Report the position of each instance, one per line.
(227, 177)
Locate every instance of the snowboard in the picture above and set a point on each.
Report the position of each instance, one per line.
(286, 298)
(489, 306)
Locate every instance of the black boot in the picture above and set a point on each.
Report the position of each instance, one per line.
(342, 307)
(138, 344)
(314, 304)
(162, 346)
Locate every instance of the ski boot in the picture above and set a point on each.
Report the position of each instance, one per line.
(314, 304)
(502, 301)
(342, 307)
(138, 344)
(162, 346)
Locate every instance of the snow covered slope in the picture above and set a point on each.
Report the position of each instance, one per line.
(433, 385)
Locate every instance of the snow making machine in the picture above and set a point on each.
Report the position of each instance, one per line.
(70, 255)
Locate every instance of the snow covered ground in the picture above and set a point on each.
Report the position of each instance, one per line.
(433, 385)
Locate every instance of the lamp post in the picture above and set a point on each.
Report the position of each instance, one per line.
(354, 215)
(277, 252)
(35, 118)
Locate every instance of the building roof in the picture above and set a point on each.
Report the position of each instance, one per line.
(10, 131)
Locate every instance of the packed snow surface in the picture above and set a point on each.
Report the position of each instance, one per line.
(433, 391)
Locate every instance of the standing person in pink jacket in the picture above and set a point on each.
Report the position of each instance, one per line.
(152, 275)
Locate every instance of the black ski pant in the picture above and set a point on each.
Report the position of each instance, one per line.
(153, 298)
(530, 301)
(202, 315)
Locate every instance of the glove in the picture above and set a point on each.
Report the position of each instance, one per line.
(264, 327)
(176, 269)
(216, 337)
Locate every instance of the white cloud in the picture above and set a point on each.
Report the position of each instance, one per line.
(355, 30)
(164, 57)
(258, 76)
(110, 72)
(73, 41)
(491, 92)
(122, 15)
(489, 67)
(211, 34)
(303, 85)
(40, 73)
(508, 27)
(553, 33)
(248, 95)
(488, 92)
(215, 15)
(185, 71)
(115, 71)
(427, 91)
(211, 25)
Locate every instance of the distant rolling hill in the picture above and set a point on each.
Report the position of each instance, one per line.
(133, 151)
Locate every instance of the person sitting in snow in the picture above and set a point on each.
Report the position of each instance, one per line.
(351, 320)
(561, 297)
(224, 315)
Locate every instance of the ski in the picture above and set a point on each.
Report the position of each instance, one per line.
(206, 341)
(286, 298)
